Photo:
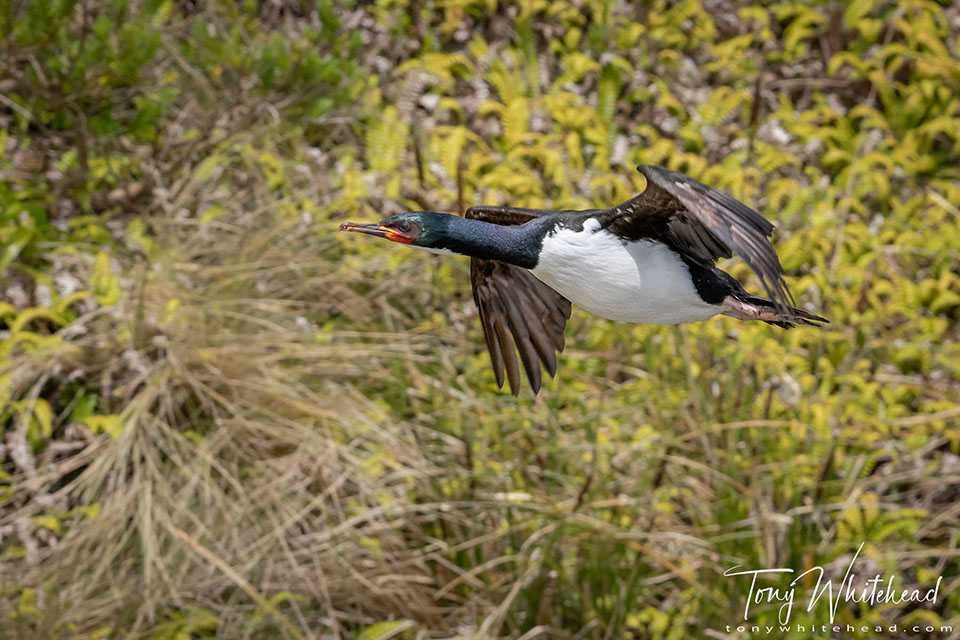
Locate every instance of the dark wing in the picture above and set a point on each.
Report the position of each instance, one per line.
(704, 225)
(513, 302)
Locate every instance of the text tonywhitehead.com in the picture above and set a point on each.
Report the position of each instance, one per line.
(840, 628)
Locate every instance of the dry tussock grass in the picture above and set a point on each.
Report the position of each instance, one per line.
(247, 467)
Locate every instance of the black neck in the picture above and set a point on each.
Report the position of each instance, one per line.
(517, 245)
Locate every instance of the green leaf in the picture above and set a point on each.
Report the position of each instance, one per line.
(47, 522)
(212, 213)
(856, 10)
(111, 424)
(385, 630)
(63, 306)
(26, 607)
(28, 315)
(39, 417)
(14, 246)
(84, 408)
(105, 285)
(207, 167)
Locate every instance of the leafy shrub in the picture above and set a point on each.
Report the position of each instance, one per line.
(221, 418)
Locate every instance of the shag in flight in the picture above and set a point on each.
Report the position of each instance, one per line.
(648, 260)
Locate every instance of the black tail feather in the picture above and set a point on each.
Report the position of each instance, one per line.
(749, 307)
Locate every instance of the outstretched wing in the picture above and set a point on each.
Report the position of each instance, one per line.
(512, 302)
(704, 225)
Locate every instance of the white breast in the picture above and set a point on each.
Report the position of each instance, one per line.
(641, 281)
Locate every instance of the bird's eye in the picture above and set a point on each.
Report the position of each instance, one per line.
(404, 226)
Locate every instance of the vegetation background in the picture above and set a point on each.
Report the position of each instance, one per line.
(221, 419)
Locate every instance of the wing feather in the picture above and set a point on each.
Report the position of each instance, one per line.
(513, 303)
(705, 225)
(509, 355)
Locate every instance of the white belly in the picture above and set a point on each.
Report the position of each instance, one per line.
(641, 281)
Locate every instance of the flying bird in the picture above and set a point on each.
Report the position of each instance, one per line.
(648, 260)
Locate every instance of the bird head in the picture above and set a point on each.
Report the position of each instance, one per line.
(421, 229)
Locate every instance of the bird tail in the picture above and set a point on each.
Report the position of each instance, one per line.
(749, 307)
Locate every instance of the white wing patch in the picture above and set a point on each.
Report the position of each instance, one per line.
(591, 225)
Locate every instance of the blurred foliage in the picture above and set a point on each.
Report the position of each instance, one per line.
(220, 419)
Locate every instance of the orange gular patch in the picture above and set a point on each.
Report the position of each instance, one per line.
(396, 236)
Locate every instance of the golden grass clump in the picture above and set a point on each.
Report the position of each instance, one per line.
(230, 452)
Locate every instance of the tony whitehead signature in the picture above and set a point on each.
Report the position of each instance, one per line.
(874, 591)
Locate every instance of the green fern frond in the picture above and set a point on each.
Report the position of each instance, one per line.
(509, 84)
(444, 66)
(387, 141)
(516, 121)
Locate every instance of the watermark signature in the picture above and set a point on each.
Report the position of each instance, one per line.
(892, 629)
(873, 591)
